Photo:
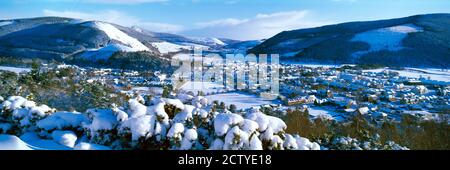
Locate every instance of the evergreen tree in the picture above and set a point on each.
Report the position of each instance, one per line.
(35, 69)
(166, 92)
(233, 108)
(222, 106)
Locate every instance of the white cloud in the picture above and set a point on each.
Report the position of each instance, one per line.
(106, 15)
(259, 27)
(116, 17)
(222, 22)
(160, 27)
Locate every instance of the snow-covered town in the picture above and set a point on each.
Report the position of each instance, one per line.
(381, 94)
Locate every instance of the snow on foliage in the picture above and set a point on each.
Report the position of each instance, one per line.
(224, 121)
(90, 146)
(236, 139)
(139, 127)
(162, 124)
(102, 119)
(305, 144)
(66, 138)
(190, 135)
(175, 131)
(23, 113)
(137, 109)
(373, 143)
(62, 120)
(264, 121)
(186, 115)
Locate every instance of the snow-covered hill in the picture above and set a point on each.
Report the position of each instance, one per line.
(415, 41)
(3, 23)
(115, 34)
(166, 47)
(210, 41)
(61, 38)
(120, 41)
(389, 38)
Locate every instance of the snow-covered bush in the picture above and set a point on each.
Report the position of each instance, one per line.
(373, 143)
(62, 121)
(102, 128)
(90, 146)
(189, 139)
(66, 138)
(161, 123)
(19, 115)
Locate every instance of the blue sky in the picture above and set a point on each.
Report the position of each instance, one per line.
(237, 19)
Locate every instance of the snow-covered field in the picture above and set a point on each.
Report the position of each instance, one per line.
(209, 40)
(433, 74)
(166, 47)
(196, 46)
(206, 60)
(385, 38)
(206, 87)
(241, 100)
(15, 69)
(146, 90)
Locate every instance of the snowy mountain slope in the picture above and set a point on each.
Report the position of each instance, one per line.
(176, 41)
(4, 23)
(120, 42)
(415, 41)
(216, 41)
(167, 47)
(9, 26)
(115, 34)
(52, 41)
(243, 45)
(389, 38)
(209, 41)
(105, 52)
(65, 38)
(229, 41)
